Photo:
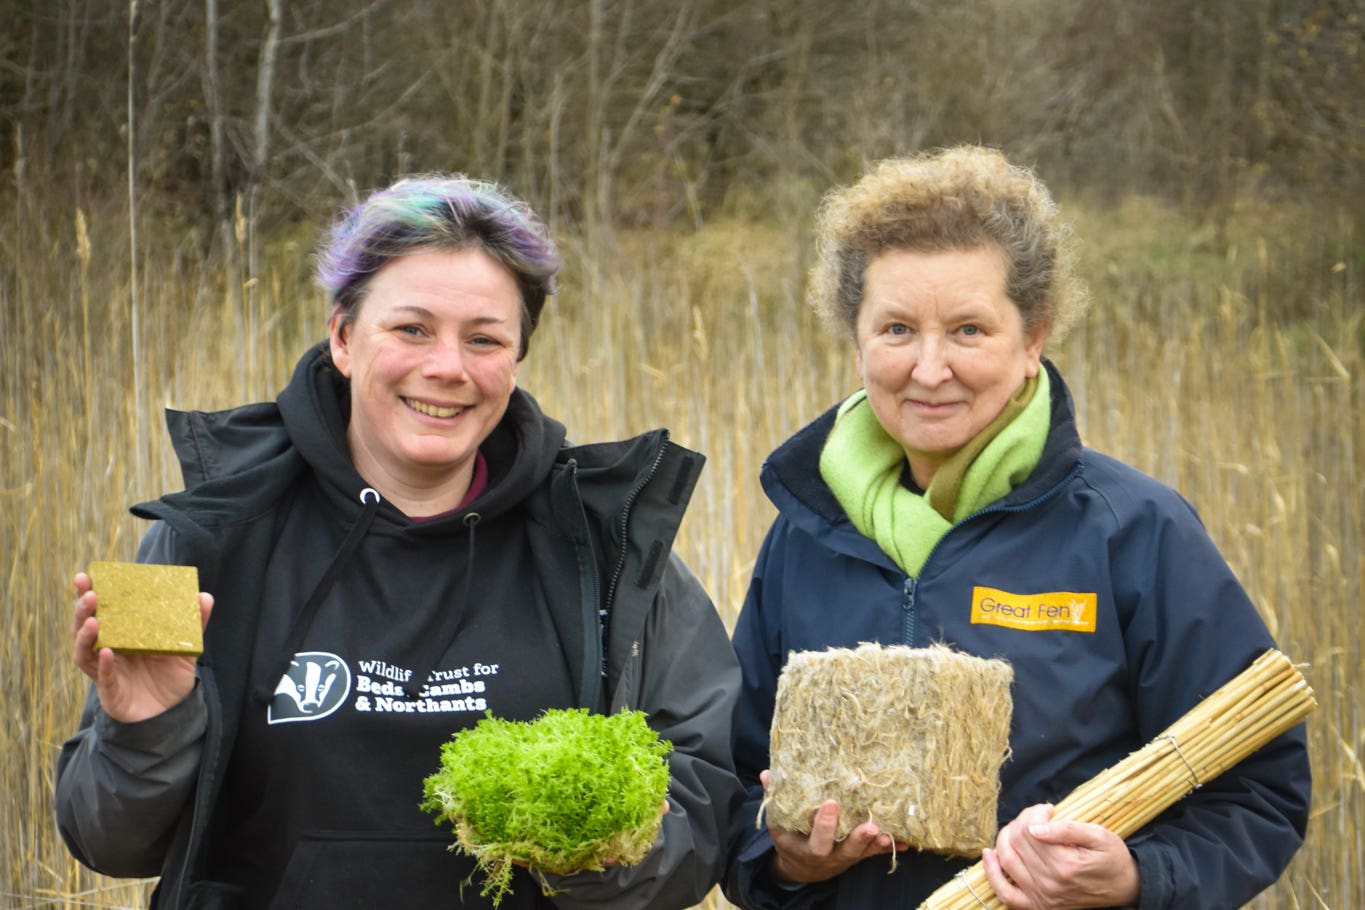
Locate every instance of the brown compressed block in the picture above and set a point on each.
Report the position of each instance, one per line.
(909, 738)
(148, 609)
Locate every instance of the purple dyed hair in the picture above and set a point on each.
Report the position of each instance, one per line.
(438, 212)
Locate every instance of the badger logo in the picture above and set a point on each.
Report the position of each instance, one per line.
(315, 685)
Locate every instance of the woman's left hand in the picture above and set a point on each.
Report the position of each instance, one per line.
(1041, 864)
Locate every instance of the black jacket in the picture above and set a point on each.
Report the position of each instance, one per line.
(634, 625)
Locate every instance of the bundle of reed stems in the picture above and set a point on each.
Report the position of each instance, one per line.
(1260, 703)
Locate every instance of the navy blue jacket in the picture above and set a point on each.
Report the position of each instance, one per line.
(1171, 624)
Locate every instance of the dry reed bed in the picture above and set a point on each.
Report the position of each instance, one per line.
(1178, 370)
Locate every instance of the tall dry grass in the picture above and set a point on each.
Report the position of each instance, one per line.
(1185, 368)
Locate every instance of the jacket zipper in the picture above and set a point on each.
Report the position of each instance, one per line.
(623, 524)
(205, 782)
(587, 556)
(908, 612)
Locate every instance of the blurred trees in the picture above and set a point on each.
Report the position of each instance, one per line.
(607, 112)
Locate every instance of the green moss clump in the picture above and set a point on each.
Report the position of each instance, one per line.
(564, 793)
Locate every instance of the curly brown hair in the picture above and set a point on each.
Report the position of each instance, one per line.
(959, 198)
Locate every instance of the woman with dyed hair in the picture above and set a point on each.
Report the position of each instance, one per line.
(953, 480)
(398, 545)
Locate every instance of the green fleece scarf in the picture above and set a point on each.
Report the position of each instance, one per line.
(862, 465)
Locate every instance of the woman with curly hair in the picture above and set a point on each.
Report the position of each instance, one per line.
(955, 480)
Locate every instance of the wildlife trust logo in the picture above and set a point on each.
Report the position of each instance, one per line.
(315, 685)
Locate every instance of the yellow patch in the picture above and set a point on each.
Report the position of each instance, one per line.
(1066, 611)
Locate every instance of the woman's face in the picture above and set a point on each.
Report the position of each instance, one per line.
(940, 349)
(432, 360)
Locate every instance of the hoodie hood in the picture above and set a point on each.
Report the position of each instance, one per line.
(249, 455)
(315, 409)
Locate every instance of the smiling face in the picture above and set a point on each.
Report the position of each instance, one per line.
(432, 359)
(940, 349)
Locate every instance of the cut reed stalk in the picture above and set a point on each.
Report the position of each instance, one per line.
(1260, 703)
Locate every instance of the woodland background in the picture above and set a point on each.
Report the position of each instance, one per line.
(165, 168)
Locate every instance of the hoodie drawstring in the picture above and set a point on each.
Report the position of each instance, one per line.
(264, 693)
(436, 645)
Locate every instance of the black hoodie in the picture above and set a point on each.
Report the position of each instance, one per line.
(317, 726)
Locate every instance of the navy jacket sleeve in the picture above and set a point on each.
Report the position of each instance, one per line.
(1190, 627)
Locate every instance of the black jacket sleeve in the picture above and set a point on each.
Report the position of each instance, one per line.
(121, 788)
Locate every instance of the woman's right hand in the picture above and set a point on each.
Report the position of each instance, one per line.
(131, 687)
(818, 856)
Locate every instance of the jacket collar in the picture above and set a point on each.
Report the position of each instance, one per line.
(791, 475)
